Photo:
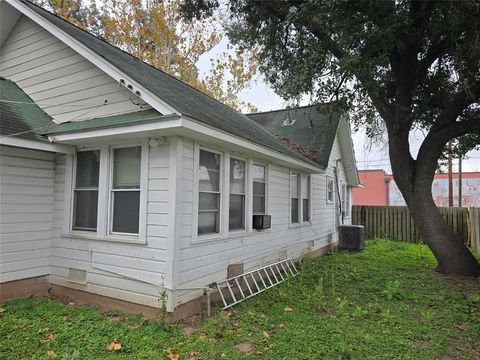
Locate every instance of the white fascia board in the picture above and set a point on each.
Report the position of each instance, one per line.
(194, 125)
(348, 153)
(146, 95)
(37, 145)
(116, 131)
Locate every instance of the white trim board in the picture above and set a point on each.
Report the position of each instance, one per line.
(37, 145)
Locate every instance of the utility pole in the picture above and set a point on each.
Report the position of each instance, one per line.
(460, 181)
(450, 178)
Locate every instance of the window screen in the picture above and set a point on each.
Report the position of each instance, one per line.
(86, 190)
(126, 190)
(259, 189)
(237, 195)
(209, 193)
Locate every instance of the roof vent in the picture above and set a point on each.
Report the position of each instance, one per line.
(288, 121)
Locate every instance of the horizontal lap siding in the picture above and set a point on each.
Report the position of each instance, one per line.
(26, 212)
(129, 272)
(204, 263)
(66, 85)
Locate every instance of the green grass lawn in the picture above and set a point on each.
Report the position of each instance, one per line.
(383, 303)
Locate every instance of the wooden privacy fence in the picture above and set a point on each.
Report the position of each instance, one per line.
(396, 222)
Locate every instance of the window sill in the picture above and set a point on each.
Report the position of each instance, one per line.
(298, 225)
(234, 235)
(110, 238)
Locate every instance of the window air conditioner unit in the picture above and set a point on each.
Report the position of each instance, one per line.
(261, 222)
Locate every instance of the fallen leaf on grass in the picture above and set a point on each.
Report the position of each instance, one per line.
(2, 310)
(265, 335)
(281, 326)
(65, 318)
(52, 354)
(173, 357)
(50, 337)
(203, 337)
(288, 309)
(71, 303)
(115, 345)
(461, 327)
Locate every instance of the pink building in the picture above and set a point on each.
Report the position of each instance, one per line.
(380, 189)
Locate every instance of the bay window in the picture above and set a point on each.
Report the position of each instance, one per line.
(237, 195)
(209, 193)
(85, 200)
(125, 190)
(259, 189)
(306, 197)
(294, 185)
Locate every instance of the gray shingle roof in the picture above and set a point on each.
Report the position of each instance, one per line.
(187, 100)
(314, 127)
(19, 115)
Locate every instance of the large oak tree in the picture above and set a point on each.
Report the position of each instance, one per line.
(408, 64)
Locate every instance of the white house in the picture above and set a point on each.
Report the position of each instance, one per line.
(119, 182)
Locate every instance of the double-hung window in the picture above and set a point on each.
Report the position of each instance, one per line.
(209, 193)
(259, 189)
(237, 195)
(343, 194)
(348, 200)
(125, 190)
(294, 185)
(85, 202)
(306, 198)
(329, 190)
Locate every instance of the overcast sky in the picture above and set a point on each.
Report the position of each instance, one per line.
(368, 156)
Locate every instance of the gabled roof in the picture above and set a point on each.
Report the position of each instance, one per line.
(182, 97)
(312, 127)
(19, 115)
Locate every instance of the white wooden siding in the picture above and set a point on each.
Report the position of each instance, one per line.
(130, 272)
(203, 263)
(26, 212)
(65, 85)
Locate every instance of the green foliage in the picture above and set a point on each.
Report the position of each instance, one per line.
(384, 303)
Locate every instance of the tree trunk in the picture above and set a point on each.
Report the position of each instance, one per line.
(453, 257)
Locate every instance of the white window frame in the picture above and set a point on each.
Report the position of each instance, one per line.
(343, 196)
(104, 196)
(329, 179)
(196, 195)
(309, 192)
(348, 202)
(228, 159)
(299, 197)
(71, 194)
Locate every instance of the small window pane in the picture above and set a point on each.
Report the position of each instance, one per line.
(126, 208)
(259, 173)
(305, 187)
(294, 210)
(88, 164)
(237, 176)
(209, 171)
(208, 201)
(259, 205)
(258, 188)
(294, 185)
(208, 222)
(126, 168)
(306, 210)
(85, 210)
(237, 212)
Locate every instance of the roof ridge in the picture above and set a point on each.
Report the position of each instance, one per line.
(292, 108)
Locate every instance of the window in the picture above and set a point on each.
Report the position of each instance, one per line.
(259, 189)
(329, 190)
(343, 194)
(237, 195)
(294, 184)
(209, 193)
(348, 205)
(306, 197)
(125, 190)
(85, 202)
